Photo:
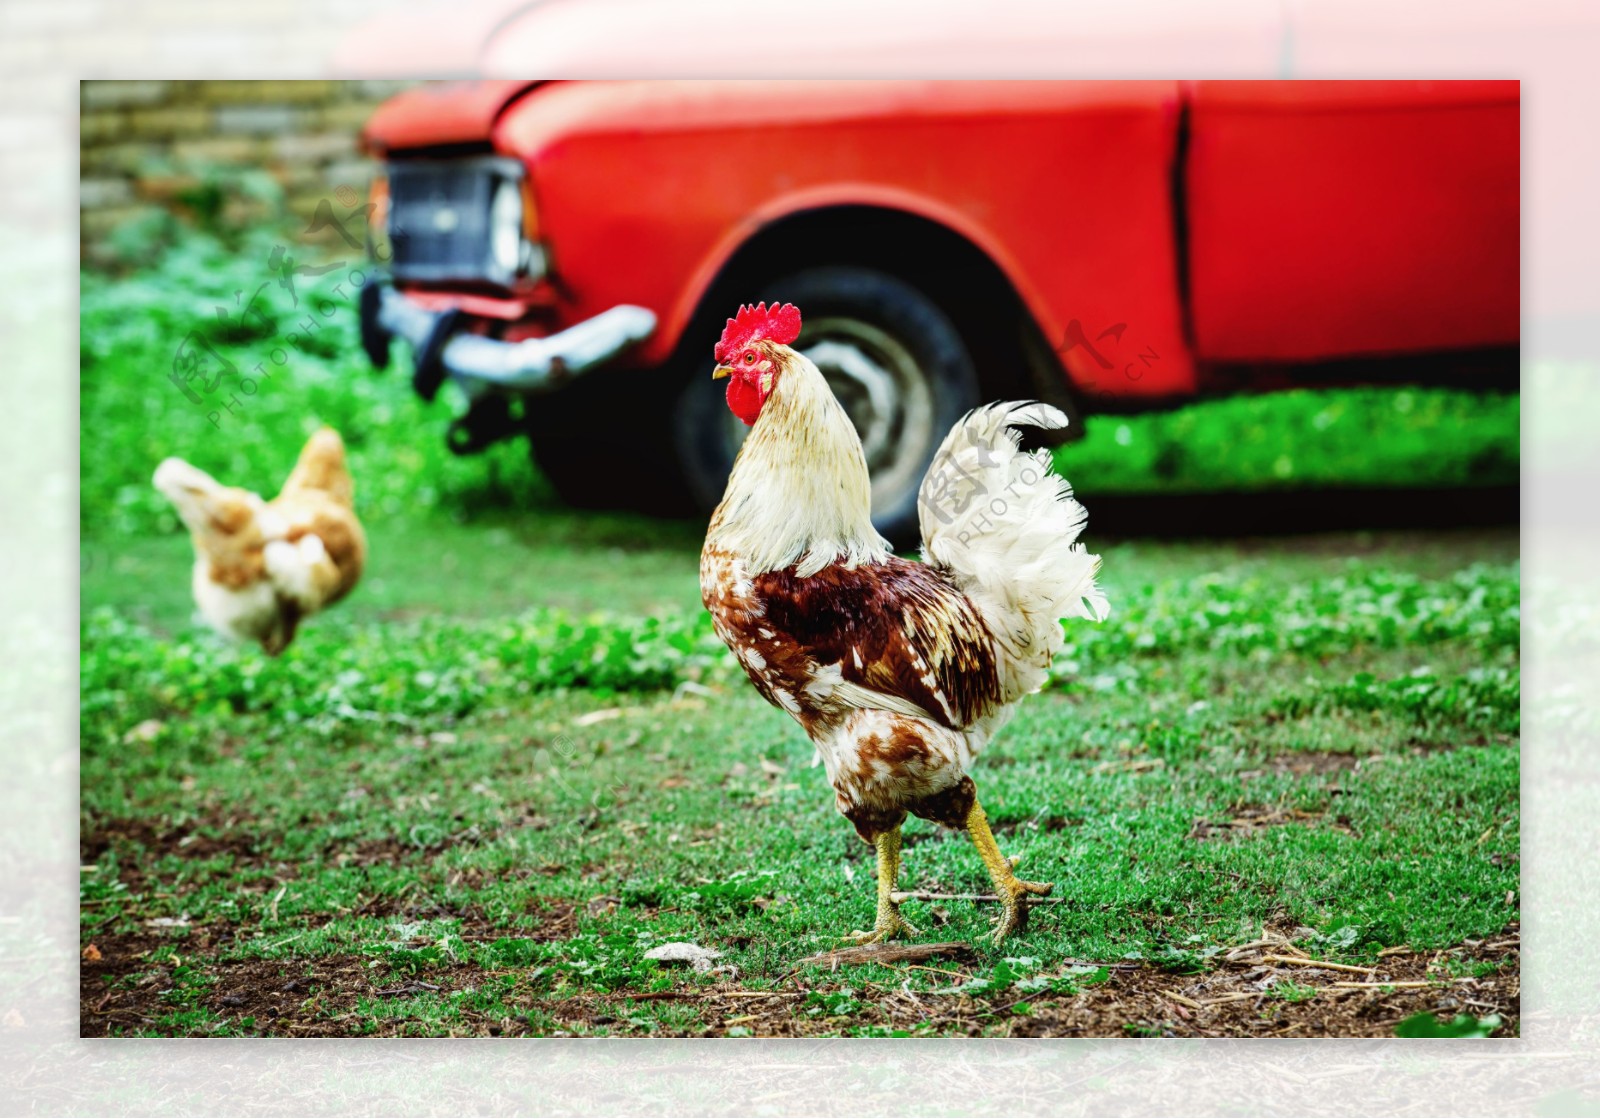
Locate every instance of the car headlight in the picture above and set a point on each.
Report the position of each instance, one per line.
(505, 229)
(447, 221)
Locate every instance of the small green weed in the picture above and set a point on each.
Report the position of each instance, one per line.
(1462, 1025)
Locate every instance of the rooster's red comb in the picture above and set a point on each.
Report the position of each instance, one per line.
(775, 324)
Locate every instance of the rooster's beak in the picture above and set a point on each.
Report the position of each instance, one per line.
(720, 372)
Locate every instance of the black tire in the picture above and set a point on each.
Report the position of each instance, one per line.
(604, 442)
(867, 330)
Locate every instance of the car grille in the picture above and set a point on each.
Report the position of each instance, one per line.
(439, 217)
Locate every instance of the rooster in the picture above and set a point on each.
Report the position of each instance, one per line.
(899, 672)
(261, 567)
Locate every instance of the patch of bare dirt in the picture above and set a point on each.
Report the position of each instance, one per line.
(127, 985)
(1271, 989)
(388, 851)
(124, 992)
(1267, 988)
(1264, 989)
(142, 842)
(1248, 819)
(551, 920)
(157, 840)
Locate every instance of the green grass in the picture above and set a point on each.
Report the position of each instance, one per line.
(452, 767)
(1304, 439)
(471, 797)
(132, 416)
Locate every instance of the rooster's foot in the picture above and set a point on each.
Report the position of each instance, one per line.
(1014, 906)
(1012, 891)
(890, 926)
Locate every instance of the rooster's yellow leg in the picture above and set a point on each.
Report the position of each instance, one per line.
(889, 923)
(1012, 890)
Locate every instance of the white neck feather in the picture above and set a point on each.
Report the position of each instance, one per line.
(799, 492)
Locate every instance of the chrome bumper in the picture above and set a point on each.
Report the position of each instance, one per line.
(476, 363)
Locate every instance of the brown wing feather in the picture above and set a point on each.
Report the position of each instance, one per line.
(896, 627)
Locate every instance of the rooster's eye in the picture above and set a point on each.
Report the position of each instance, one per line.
(750, 358)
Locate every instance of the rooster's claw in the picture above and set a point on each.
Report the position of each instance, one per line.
(1014, 900)
(889, 927)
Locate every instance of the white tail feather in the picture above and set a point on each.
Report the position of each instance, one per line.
(1006, 530)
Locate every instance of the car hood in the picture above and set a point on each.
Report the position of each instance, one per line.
(441, 114)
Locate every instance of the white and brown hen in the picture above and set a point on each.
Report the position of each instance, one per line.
(262, 567)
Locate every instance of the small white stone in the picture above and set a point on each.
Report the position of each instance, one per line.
(682, 952)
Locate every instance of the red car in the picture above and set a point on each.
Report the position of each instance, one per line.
(566, 252)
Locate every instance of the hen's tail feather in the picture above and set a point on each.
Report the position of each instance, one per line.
(321, 467)
(1005, 529)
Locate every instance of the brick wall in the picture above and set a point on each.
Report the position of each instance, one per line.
(233, 152)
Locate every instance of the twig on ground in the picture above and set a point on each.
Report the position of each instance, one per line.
(415, 987)
(937, 970)
(759, 994)
(644, 995)
(1307, 962)
(890, 953)
(1253, 944)
(899, 896)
